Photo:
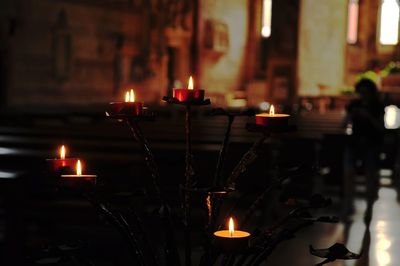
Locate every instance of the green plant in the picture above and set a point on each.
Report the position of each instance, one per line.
(391, 68)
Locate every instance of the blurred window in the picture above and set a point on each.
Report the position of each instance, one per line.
(389, 22)
(352, 21)
(266, 18)
(392, 117)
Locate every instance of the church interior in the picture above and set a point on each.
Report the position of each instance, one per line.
(199, 132)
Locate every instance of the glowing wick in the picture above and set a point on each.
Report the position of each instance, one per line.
(78, 168)
(272, 110)
(231, 227)
(190, 86)
(62, 152)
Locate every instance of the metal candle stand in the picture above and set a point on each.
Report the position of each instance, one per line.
(263, 241)
(171, 250)
(189, 172)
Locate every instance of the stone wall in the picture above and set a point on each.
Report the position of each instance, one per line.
(222, 68)
(322, 42)
(90, 51)
(65, 52)
(85, 52)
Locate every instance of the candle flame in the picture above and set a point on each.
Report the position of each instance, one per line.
(130, 96)
(272, 110)
(190, 86)
(62, 152)
(78, 168)
(231, 227)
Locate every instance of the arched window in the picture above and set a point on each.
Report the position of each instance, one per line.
(352, 21)
(389, 22)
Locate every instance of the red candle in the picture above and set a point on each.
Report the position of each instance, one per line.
(62, 162)
(189, 94)
(129, 107)
(79, 179)
(272, 120)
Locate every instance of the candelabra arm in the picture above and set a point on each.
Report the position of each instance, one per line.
(189, 172)
(149, 157)
(119, 222)
(222, 153)
(212, 199)
(171, 251)
(245, 162)
(253, 207)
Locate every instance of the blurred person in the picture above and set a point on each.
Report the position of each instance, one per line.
(365, 119)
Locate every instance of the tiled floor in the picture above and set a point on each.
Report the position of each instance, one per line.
(380, 244)
(385, 230)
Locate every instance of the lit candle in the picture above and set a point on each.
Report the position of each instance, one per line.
(62, 162)
(128, 107)
(231, 239)
(78, 178)
(189, 94)
(273, 120)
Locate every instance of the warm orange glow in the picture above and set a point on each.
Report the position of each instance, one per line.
(272, 110)
(231, 227)
(62, 152)
(130, 96)
(190, 86)
(78, 168)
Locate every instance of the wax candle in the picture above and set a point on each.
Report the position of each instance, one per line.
(188, 94)
(62, 162)
(231, 240)
(128, 107)
(273, 120)
(78, 179)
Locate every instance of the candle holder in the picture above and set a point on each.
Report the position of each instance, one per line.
(129, 107)
(189, 94)
(231, 240)
(253, 248)
(145, 115)
(198, 102)
(185, 95)
(126, 108)
(77, 182)
(227, 243)
(274, 122)
(61, 165)
(253, 127)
